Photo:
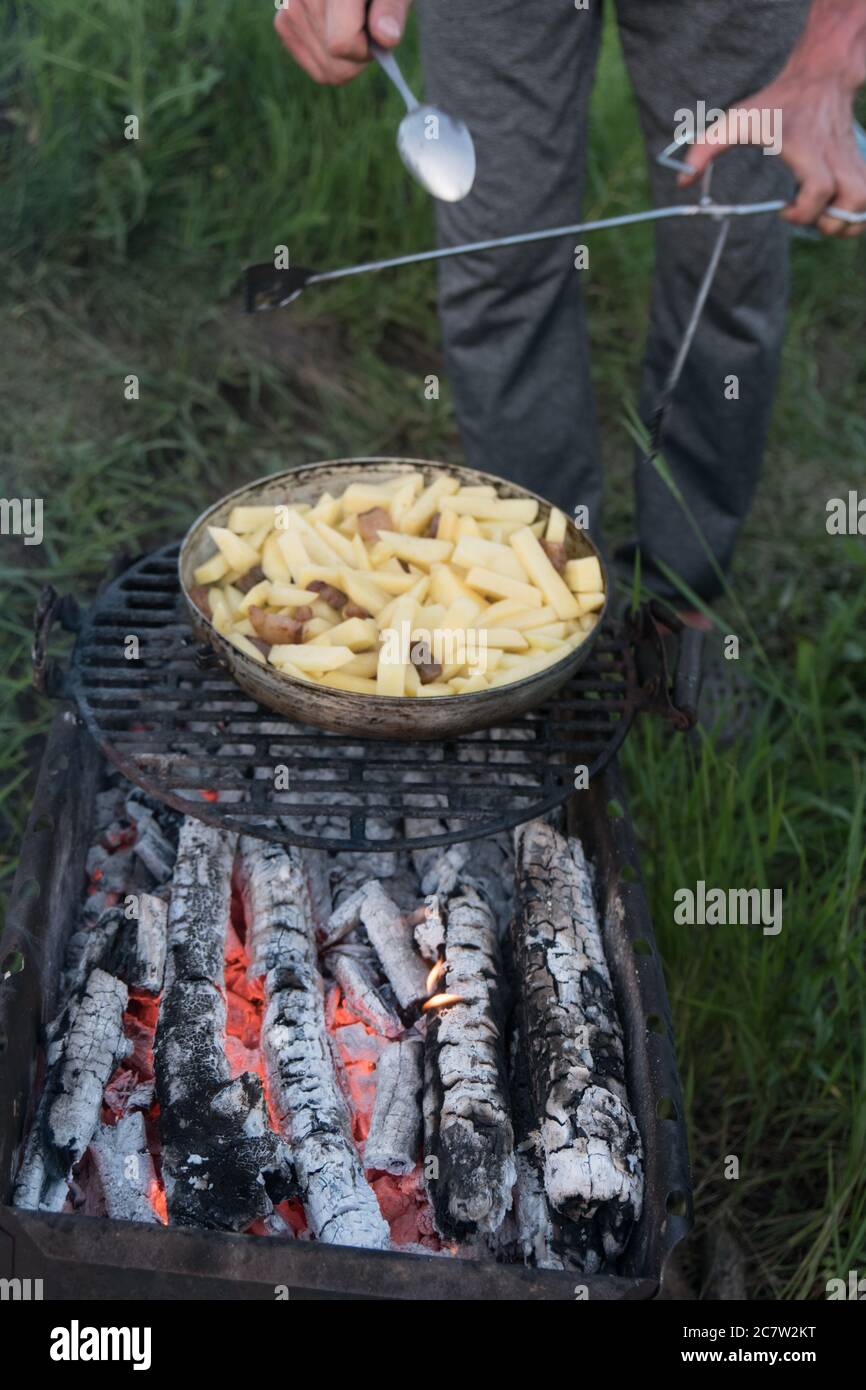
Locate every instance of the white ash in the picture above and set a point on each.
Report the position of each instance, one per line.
(394, 944)
(395, 1128)
(125, 1168)
(305, 1094)
(588, 1141)
(466, 1106)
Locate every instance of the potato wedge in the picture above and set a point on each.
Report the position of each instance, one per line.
(584, 576)
(500, 586)
(531, 554)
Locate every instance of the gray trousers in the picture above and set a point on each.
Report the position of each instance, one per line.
(513, 322)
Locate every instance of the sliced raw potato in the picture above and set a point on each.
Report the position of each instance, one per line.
(360, 557)
(363, 590)
(364, 664)
(467, 685)
(446, 586)
(556, 526)
(234, 598)
(238, 553)
(420, 514)
(273, 564)
(294, 554)
(394, 582)
(315, 626)
(356, 633)
(327, 509)
(391, 673)
(419, 550)
(475, 550)
(500, 586)
(342, 680)
(529, 550)
(466, 526)
(417, 594)
(584, 576)
(507, 638)
(290, 596)
(481, 592)
(245, 519)
(244, 645)
(212, 570)
(522, 509)
(340, 545)
(590, 602)
(447, 528)
(220, 613)
(310, 657)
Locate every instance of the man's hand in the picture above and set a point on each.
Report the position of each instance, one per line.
(329, 37)
(813, 99)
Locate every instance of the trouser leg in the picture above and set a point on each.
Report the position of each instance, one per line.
(718, 51)
(513, 325)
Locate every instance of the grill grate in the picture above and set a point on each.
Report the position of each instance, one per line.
(177, 725)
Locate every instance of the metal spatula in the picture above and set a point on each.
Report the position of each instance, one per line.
(436, 148)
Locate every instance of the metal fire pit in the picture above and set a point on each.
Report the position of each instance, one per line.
(81, 1257)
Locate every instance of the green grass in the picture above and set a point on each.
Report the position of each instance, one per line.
(120, 257)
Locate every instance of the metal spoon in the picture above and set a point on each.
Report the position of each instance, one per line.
(435, 148)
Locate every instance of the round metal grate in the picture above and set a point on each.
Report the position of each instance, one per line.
(176, 724)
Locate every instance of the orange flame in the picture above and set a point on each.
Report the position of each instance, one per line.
(439, 1001)
(435, 975)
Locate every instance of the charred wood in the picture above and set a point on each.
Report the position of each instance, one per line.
(467, 1126)
(223, 1167)
(308, 1104)
(361, 993)
(394, 944)
(125, 1168)
(587, 1140)
(395, 1128)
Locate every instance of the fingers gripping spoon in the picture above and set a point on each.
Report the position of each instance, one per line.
(436, 148)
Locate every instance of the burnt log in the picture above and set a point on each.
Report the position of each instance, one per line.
(429, 929)
(392, 939)
(307, 1102)
(223, 1166)
(93, 1044)
(361, 993)
(394, 1139)
(467, 1126)
(588, 1143)
(125, 1169)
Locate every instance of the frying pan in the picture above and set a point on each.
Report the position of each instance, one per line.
(376, 716)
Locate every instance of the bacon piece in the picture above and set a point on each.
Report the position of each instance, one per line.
(432, 525)
(249, 580)
(354, 610)
(275, 628)
(335, 598)
(303, 613)
(370, 523)
(199, 595)
(555, 552)
(428, 671)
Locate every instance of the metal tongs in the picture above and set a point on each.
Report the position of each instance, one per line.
(270, 288)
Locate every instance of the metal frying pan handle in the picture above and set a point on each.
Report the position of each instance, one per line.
(667, 159)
